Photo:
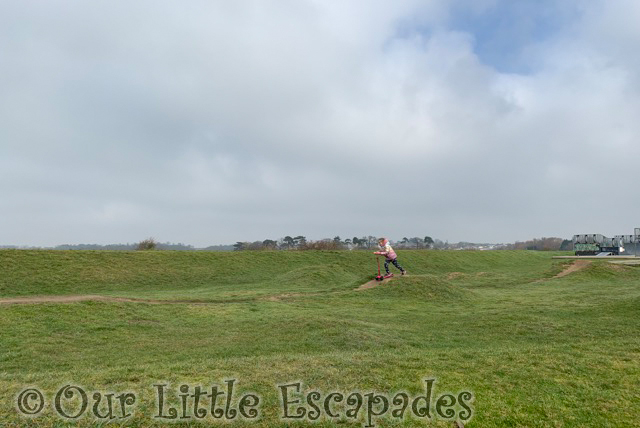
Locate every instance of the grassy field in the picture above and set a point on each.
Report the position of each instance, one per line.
(534, 350)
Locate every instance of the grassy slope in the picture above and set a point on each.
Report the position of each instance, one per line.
(215, 276)
(560, 352)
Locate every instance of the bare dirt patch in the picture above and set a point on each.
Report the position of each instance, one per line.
(373, 283)
(455, 275)
(574, 267)
(281, 297)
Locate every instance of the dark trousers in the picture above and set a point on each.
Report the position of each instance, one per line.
(395, 263)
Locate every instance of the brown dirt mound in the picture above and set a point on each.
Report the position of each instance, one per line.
(373, 283)
(574, 267)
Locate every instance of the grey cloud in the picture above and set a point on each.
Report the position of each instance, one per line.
(211, 122)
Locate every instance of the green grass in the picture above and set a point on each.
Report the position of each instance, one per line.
(536, 351)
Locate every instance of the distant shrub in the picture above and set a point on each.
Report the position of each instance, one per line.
(147, 244)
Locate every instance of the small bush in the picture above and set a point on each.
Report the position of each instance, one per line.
(147, 244)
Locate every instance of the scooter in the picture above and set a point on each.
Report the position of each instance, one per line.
(379, 277)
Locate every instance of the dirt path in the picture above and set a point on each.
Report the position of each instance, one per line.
(27, 300)
(373, 283)
(574, 267)
(95, 298)
(81, 298)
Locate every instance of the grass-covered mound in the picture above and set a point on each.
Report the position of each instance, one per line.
(535, 349)
(202, 275)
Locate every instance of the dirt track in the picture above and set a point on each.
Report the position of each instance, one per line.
(574, 267)
(374, 283)
(27, 300)
(77, 298)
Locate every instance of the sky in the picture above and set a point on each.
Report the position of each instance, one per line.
(211, 122)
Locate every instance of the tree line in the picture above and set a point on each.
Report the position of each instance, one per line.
(371, 242)
(542, 244)
(302, 243)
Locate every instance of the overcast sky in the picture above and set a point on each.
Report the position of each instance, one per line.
(211, 122)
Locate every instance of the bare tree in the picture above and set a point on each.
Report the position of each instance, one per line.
(147, 244)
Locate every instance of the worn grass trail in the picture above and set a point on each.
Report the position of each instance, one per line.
(536, 350)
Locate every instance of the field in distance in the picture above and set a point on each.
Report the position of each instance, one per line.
(539, 342)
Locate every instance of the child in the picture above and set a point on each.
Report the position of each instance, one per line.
(391, 257)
